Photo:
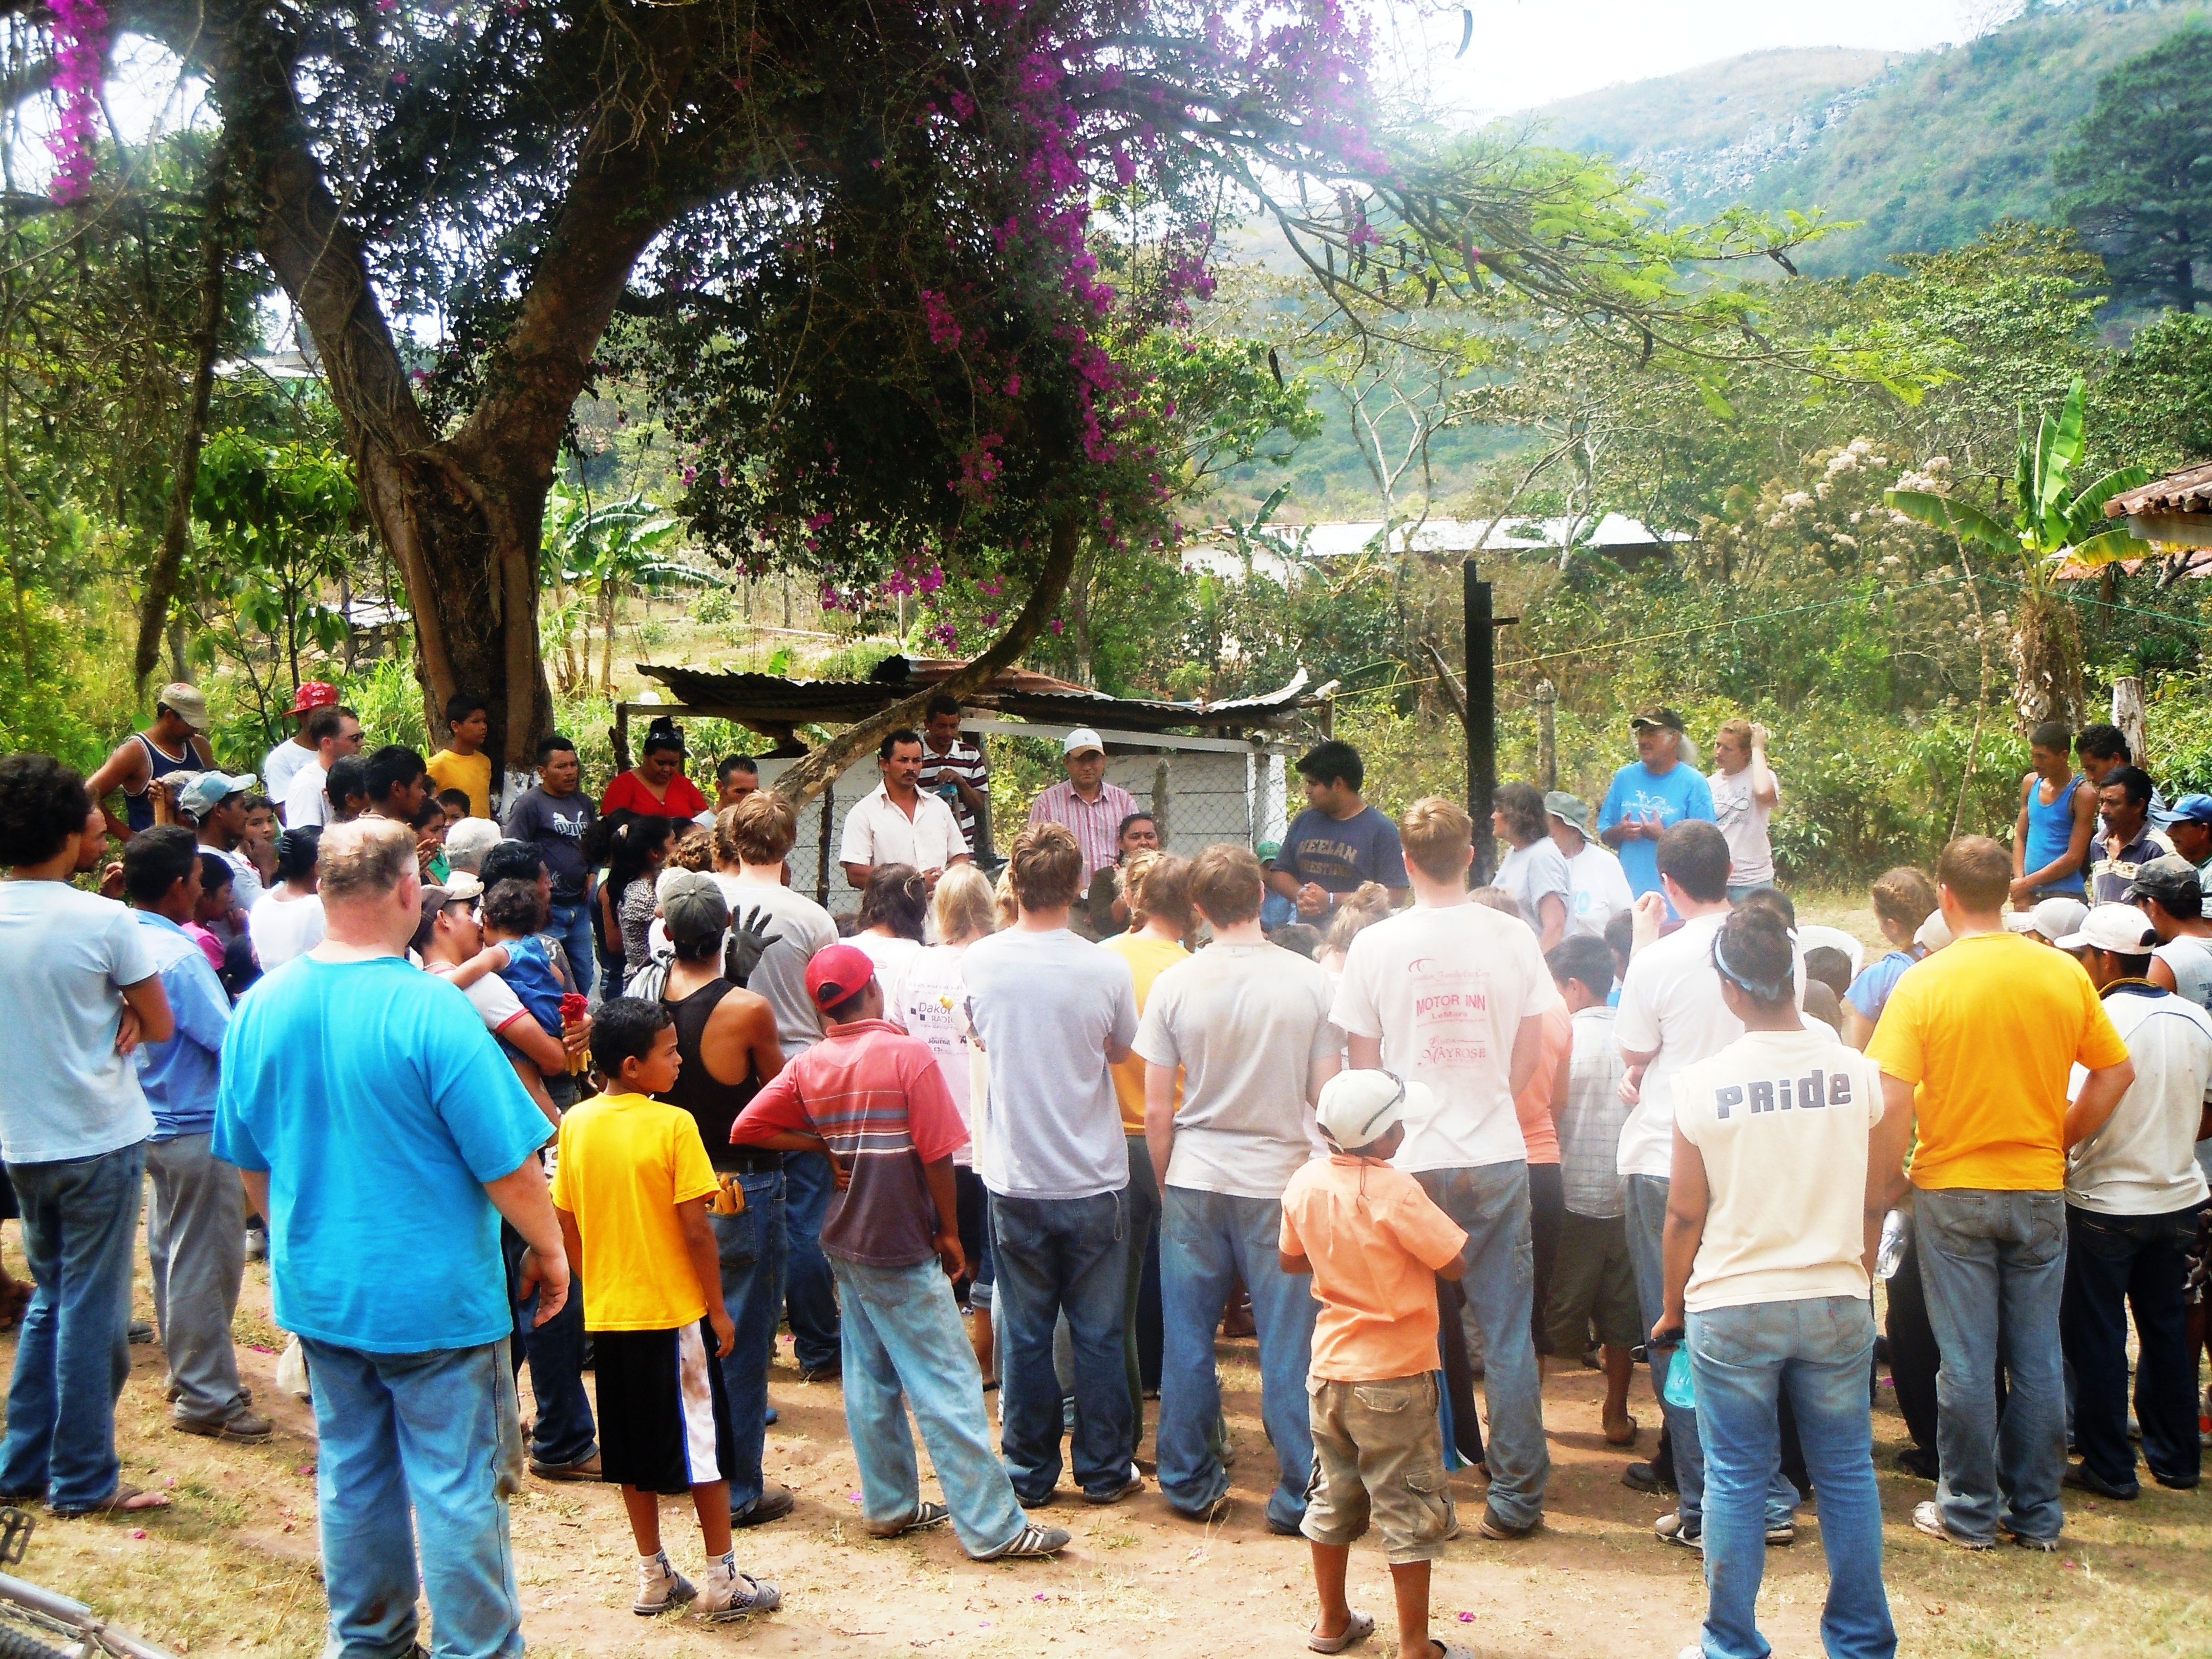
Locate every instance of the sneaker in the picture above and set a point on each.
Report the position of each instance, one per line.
(1782, 1536)
(1667, 1529)
(257, 1243)
(247, 1428)
(728, 1594)
(834, 1371)
(2040, 1545)
(1643, 1477)
(141, 1331)
(2082, 1478)
(1030, 1543)
(1128, 1488)
(660, 1588)
(1493, 1525)
(924, 1515)
(1928, 1517)
(773, 1504)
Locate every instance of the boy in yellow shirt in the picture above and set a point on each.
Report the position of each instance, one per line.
(631, 1188)
(462, 765)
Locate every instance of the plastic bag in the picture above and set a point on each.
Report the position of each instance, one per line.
(292, 1371)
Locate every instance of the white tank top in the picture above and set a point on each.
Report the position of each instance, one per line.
(2191, 964)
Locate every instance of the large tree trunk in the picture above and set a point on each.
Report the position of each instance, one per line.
(802, 782)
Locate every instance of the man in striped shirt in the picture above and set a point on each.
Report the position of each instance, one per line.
(952, 768)
(1092, 808)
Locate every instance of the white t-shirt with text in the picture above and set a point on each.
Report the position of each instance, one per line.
(1743, 822)
(1781, 1119)
(1600, 892)
(1446, 990)
(1246, 1023)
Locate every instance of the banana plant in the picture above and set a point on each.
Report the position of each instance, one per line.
(2054, 523)
(606, 549)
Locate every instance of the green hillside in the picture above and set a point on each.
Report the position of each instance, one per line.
(1924, 150)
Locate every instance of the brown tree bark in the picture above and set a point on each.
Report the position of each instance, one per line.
(802, 782)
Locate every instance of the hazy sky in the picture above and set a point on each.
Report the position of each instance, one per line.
(1526, 52)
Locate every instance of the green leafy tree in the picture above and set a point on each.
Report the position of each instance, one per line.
(2054, 520)
(2137, 181)
(606, 549)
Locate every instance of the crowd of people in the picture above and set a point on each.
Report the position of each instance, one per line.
(1034, 1142)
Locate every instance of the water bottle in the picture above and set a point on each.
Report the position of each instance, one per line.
(1680, 1388)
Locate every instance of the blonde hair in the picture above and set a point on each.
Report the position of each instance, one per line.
(1225, 883)
(961, 907)
(366, 857)
(1158, 884)
(1437, 835)
(759, 829)
(694, 850)
(1004, 905)
(1370, 905)
(1739, 728)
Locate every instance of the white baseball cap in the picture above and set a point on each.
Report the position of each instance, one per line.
(2120, 928)
(1357, 1109)
(1081, 738)
(2055, 918)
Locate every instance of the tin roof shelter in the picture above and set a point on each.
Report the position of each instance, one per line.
(1209, 772)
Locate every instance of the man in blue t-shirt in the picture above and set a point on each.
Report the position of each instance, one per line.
(1339, 843)
(383, 1135)
(1650, 793)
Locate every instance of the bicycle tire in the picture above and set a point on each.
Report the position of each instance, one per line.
(17, 1644)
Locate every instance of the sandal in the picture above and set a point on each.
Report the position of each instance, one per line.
(1360, 1627)
(1611, 1440)
(125, 1499)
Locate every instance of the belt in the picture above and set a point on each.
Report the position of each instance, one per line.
(736, 1161)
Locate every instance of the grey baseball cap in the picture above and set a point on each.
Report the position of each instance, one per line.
(1569, 811)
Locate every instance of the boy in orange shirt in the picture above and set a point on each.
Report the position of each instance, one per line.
(1375, 1244)
(631, 1188)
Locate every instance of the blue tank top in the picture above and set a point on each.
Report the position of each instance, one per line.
(139, 809)
(2050, 831)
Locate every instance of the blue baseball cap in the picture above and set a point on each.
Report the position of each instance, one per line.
(2197, 809)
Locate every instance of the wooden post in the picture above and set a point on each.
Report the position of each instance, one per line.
(1481, 718)
(2128, 713)
(821, 853)
(1548, 750)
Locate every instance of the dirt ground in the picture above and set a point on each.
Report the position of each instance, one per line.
(233, 1567)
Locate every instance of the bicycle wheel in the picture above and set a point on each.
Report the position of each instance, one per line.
(18, 1641)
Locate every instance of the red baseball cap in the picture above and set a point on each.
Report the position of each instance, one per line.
(312, 695)
(837, 973)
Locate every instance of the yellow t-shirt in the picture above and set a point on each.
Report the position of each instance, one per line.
(470, 774)
(626, 1162)
(1148, 958)
(1989, 1028)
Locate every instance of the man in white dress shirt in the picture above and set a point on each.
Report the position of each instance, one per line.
(898, 824)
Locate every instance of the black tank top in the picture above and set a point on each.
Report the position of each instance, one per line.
(715, 1105)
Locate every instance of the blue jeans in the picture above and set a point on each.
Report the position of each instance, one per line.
(1206, 1241)
(1817, 1352)
(1647, 1223)
(562, 1429)
(751, 1248)
(2116, 1264)
(80, 1223)
(1053, 1255)
(904, 1346)
(1993, 1265)
(810, 1293)
(572, 925)
(434, 1433)
(1490, 1202)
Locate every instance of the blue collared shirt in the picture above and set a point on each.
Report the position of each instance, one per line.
(181, 1077)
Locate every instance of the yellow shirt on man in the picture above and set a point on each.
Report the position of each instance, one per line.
(1148, 958)
(626, 1162)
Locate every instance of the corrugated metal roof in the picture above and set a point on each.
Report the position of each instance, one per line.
(771, 700)
(2188, 490)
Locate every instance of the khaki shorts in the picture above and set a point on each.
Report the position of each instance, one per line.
(1378, 1451)
(1593, 1282)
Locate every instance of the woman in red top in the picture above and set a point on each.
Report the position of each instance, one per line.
(656, 786)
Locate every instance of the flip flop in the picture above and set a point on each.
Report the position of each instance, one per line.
(1361, 1626)
(122, 1501)
(1633, 1425)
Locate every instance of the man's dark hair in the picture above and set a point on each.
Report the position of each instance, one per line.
(1769, 898)
(624, 1029)
(327, 722)
(462, 704)
(1122, 834)
(454, 802)
(1831, 967)
(1587, 961)
(940, 704)
(2054, 735)
(216, 872)
(156, 859)
(1696, 854)
(736, 764)
(2131, 781)
(510, 860)
(1620, 934)
(1300, 937)
(392, 767)
(1334, 761)
(42, 804)
(553, 744)
(2103, 741)
(892, 740)
(511, 907)
(349, 777)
